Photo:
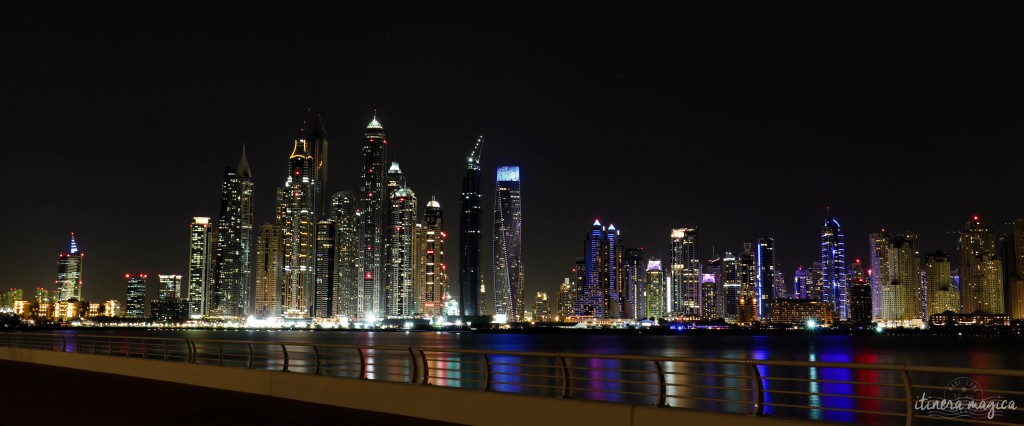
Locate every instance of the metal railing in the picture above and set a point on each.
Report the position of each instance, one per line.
(837, 392)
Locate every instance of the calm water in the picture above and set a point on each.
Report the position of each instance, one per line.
(699, 386)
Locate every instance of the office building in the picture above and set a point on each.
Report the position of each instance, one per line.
(372, 218)
(470, 235)
(269, 271)
(135, 286)
(685, 274)
(200, 263)
(69, 273)
(508, 244)
(833, 261)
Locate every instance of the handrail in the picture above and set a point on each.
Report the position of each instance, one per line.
(636, 379)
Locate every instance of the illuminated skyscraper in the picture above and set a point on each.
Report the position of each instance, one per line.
(942, 296)
(747, 310)
(566, 297)
(541, 307)
(432, 270)
(860, 301)
(712, 290)
(655, 281)
(470, 234)
(234, 232)
(324, 286)
(614, 265)
(316, 136)
(200, 259)
(765, 257)
(901, 292)
(372, 214)
(348, 257)
(299, 236)
(1015, 290)
(981, 280)
(878, 249)
(269, 271)
(508, 245)
(170, 287)
(135, 285)
(69, 273)
(685, 274)
(593, 299)
(401, 252)
(833, 261)
(633, 282)
(731, 287)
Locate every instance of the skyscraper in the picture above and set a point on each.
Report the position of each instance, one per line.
(860, 301)
(981, 281)
(747, 311)
(324, 286)
(765, 257)
(685, 274)
(633, 282)
(566, 297)
(731, 287)
(712, 290)
(469, 235)
(901, 292)
(942, 296)
(316, 136)
(508, 245)
(69, 273)
(372, 213)
(234, 229)
(614, 265)
(170, 287)
(878, 250)
(200, 261)
(348, 257)
(833, 261)
(655, 289)
(135, 285)
(594, 298)
(433, 272)
(269, 270)
(1015, 292)
(401, 273)
(299, 236)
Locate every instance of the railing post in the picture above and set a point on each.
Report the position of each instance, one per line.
(566, 377)
(757, 390)
(63, 343)
(908, 392)
(488, 386)
(251, 360)
(145, 349)
(426, 368)
(110, 346)
(316, 352)
(662, 387)
(191, 351)
(220, 354)
(285, 350)
(78, 346)
(412, 366)
(362, 364)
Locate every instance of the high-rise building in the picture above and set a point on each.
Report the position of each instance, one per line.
(860, 301)
(348, 257)
(170, 287)
(541, 307)
(136, 294)
(899, 276)
(299, 233)
(633, 282)
(981, 280)
(324, 267)
(712, 286)
(69, 273)
(593, 299)
(765, 259)
(433, 271)
(372, 214)
(942, 296)
(878, 249)
(731, 287)
(654, 279)
(230, 295)
(802, 283)
(508, 244)
(316, 136)
(1015, 283)
(401, 251)
(782, 290)
(747, 310)
(833, 261)
(200, 262)
(566, 296)
(685, 274)
(269, 270)
(470, 234)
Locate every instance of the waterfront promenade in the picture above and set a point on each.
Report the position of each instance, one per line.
(39, 394)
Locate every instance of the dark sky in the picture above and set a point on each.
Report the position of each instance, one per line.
(741, 119)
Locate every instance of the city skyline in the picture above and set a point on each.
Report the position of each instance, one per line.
(557, 128)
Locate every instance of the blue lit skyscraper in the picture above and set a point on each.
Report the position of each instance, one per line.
(833, 260)
(508, 245)
(765, 257)
(592, 299)
(69, 273)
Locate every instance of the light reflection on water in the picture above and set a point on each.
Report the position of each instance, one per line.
(689, 382)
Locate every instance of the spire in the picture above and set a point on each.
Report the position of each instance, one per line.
(433, 202)
(395, 168)
(474, 156)
(243, 165)
(597, 223)
(374, 124)
(74, 245)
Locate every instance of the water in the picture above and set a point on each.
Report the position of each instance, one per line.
(716, 387)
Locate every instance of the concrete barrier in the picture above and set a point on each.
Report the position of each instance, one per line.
(421, 401)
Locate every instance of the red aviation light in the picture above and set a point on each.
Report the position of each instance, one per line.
(369, 275)
(975, 218)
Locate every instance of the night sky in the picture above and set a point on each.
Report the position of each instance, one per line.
(744, 120)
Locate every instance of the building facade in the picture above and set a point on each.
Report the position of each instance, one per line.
(200, 262)
(508, 244)
(372, 214)
(433, 273)
(348, 256)
(764, 256)
(942, 296)
(655, 282)
(980, 269)
(684, 294)
(69, 273)
(833, 261)
(230, 293)
(470, 234)
(135, 287)
(298, 233)
(269, 271)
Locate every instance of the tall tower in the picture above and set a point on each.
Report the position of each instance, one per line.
(269, 270)
(229, 295)
(348, 257)
(765, 257)
(878, 250)
(508, 245)
(685, 274)
(654, 278)
(470, 234)
(633, 282)
(316, 136)
(433, 272)
(323, 292)
(833, 260)
(245, 235)
(747, 310)
(299, 236)
(372, 212)
(901, 293)
(981, 280)
(199, 265)
(942, 296)
(69, 273)
(593, 298)
(135, 286)
(401, 297)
